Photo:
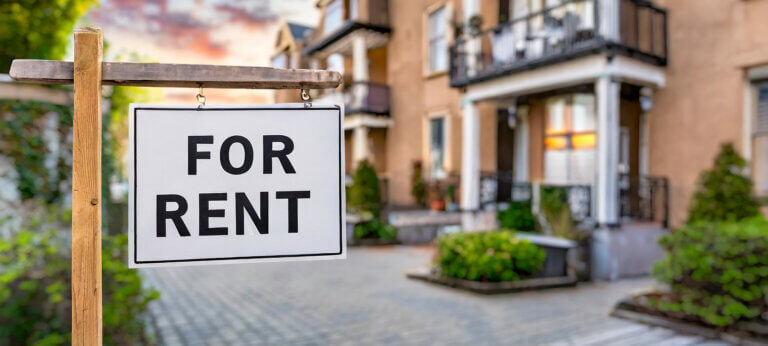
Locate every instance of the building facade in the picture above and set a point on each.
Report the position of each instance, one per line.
(621, 102)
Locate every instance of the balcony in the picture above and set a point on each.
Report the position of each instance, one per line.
(360, 98)
(576, 28)
(371, 17)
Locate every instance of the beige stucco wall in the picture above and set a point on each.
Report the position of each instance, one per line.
(414, 97)
(711, 43)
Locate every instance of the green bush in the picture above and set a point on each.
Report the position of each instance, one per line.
(365, 193)
(717, 271)
(35, 296)
(557, 211)
(724, 192)
(488, 256)
(518, 217)
(375, 229)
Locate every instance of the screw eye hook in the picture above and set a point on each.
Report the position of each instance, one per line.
(200, 98)
(306, 98)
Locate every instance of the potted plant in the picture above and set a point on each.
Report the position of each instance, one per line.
(450, 198)
(418, 187)
(436, 198)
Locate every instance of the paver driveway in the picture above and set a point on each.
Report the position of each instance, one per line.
(366, 299)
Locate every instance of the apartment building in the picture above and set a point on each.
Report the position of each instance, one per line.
(621, 102)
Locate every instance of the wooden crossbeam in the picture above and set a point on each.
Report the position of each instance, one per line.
(178, 75)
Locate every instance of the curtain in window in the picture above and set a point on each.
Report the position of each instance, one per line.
(569, 154)
(437, 148)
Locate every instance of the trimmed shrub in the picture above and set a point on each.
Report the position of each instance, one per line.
(375, 229)
(724, 192)
(488, 256)
(717, 271)
(35, 295)
(365, 193)
(518, 217)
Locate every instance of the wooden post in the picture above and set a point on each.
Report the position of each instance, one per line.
(86, 189)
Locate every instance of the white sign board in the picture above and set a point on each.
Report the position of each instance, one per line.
(238, 184)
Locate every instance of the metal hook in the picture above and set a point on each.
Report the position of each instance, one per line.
(306, 97)
(200, 98)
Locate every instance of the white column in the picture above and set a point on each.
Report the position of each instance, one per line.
(606, 191)
(470, 157)
(359, 144)
(608, 19)
(359, 59)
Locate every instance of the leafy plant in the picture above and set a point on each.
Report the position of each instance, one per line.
(517, 217)
(37, 29)
(717, 271)
(418, 186)
(375, 228)
(724, 192)
(35, 281)
(365, 193)
(488, 256)
(557, 211)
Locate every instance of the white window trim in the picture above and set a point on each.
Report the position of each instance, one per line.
(428, 73)
(754, 77)
(427, 147)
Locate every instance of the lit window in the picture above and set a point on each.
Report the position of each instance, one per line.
(437, 148)
(569, 143)
(437, 37)
(334, 16)
(760, 141)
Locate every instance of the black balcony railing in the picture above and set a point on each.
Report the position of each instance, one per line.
(499, 187)
(644, 198)
(366, 97)
(572, 29)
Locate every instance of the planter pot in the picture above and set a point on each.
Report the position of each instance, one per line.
(557, 249)
(437, 205)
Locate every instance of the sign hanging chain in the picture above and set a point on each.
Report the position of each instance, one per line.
(200, 98)
(306, 98)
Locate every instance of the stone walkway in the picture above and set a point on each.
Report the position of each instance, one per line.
(366, 299)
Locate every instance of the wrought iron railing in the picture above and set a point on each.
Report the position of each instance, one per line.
(497, 188)
(644, 198)
(572, 29)
(366, 97)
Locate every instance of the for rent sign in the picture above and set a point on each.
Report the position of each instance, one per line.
(235, 184)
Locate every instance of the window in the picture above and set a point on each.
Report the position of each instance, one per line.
(437, 148)
(280, 61)
(353, 9)
(334, 16)
(569, 142)
(760, 140)
(336, 63)
(437, 40)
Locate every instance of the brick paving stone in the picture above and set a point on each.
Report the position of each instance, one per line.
(367, 300)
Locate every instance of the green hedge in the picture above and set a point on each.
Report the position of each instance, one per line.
(375, 228)
(488, 256)
(35, 296)
(518, 217)
(717, 271)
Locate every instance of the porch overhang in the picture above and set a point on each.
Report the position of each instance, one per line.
(353, 121)
(339, 40)
(570, 73)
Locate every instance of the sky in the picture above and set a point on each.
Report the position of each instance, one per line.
(233, 32)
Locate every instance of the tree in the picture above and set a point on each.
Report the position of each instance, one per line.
(724, 193)
(37, 29)
(365, 193)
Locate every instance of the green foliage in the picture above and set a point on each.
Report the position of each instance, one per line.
(35, 297)
(517, 217)
(488, 256)
(557, 211)
(418, 186)
(717, 271)
(21, 139)
(37, 29)
(365, 193)
(724, 192)
(375, 228)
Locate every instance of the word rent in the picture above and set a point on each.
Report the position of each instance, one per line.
(244, 209)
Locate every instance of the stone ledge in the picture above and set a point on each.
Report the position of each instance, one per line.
(629, 310)
(495, 287)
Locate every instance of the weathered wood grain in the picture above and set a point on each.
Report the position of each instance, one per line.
(86, 190)
(178, 75)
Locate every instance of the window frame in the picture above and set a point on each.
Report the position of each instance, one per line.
(756, 132)
(428, 38)
(443, 114)
(326, 30)
(567, 134)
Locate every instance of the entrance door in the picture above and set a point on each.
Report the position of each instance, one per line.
(505, 158)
